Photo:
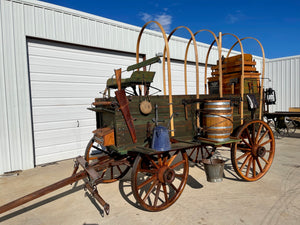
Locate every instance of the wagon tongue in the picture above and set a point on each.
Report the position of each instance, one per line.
(123, 102)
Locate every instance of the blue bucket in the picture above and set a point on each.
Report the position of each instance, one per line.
(161, 139)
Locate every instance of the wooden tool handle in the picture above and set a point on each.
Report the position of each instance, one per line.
(118, 78)
(102, 103)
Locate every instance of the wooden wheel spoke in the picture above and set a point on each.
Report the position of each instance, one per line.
(249, 137)
(267, 142)
(253, 134)
(104, 171)
(174, 188)
(165, 193)
(244, 163)
(152, 178)
(179, 175)
(243, 156)
(266, 161)
(192, 152)
(150, 190)
(262, 137)
(208, 153)
(243, 139)
(111, 172)
(259, 165)
(169, 162)
(197, 153)
(165, 160)
(157, 194)
(119, 169)
(160, 162)
(258, 133)
(244, 149)
(177, 164)
(152, 161)
(248, 167)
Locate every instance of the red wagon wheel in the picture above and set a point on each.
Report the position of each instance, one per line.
(196, 154)
(111, 173)
(253, 156)
(158, 181)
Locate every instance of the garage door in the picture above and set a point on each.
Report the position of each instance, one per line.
(178, 88)
(64, 81)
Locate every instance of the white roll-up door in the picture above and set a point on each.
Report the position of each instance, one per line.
(64, 81)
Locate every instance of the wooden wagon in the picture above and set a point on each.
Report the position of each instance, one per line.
(156, 136)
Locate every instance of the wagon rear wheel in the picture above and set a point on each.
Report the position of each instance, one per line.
(111, 173)
(196, 154)
(158, 181)
(252, 157)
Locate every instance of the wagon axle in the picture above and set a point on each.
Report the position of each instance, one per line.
(166, 175)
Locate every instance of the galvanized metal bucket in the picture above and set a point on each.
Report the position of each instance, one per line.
(214, 169)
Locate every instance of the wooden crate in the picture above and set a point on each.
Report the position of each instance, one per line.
(251, 85)
(231, 76)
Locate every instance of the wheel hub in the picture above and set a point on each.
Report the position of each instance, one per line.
(261, 151)
(166, 175)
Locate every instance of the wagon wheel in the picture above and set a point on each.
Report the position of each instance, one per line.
(290, 126)
(109, 174)
(158, 181)
(278, 133)
(201, 152)
(253, 156)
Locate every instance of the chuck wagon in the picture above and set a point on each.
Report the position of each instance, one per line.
(157, 135)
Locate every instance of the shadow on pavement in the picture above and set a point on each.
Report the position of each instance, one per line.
(41, 203)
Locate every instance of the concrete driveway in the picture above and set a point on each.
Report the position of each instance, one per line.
(274, 199)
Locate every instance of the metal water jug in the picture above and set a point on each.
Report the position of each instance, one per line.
(161, 139)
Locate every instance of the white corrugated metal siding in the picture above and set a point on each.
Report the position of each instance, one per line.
(21, 19)
(16, 133)
(285, 80)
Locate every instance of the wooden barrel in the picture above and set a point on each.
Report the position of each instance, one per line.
(217, 119)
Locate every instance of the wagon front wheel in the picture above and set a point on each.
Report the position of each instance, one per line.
(158, 180)
(252, 157)
(110, 174)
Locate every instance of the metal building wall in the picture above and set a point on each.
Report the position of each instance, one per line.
(285, 80)
(20, 19)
